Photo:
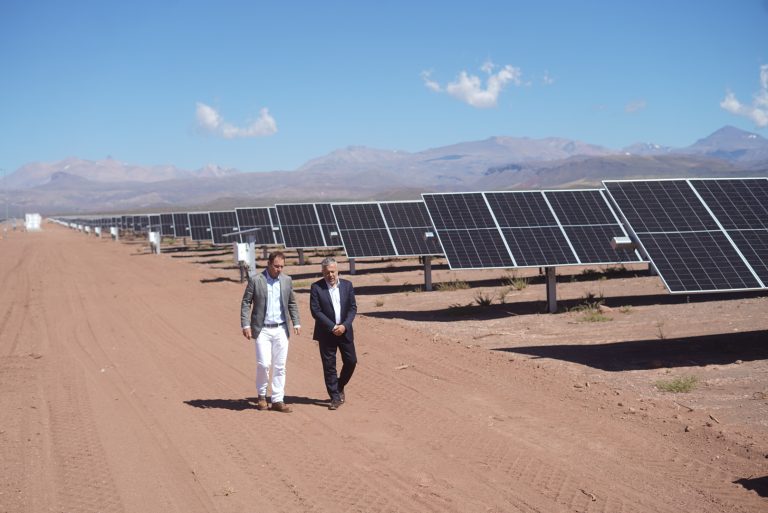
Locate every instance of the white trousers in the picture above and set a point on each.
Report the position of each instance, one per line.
(271, 351)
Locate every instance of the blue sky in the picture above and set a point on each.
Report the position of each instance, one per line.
(265, 85)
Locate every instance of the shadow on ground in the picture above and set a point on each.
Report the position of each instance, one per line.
(721, 349)
(756, 484)
(249, 403)
(474, 311)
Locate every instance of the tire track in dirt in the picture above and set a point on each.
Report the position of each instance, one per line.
(534, 466)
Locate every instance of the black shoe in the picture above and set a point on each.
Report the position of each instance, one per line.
(342, 399)
(334, 404)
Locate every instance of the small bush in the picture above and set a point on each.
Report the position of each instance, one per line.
(484, 300)
(515, 282)
(682, 384)
(379, 302)
(452, 285)
(595, 316)
(625, 309)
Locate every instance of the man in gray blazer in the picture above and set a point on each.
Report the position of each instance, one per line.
(268, 303)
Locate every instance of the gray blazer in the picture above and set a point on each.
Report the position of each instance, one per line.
(253, 308)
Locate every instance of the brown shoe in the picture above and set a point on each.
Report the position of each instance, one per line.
(261, 403)
(342, 398)
(334, 404)
(281, 407)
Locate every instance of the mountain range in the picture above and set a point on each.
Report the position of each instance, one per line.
(77, 186)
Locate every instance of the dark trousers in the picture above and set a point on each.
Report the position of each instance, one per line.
(335, 383)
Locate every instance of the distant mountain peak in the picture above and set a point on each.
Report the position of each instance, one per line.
(731, 143)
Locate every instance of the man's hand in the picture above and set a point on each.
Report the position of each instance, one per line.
(339, 330)
(247, 332)
(297, 331)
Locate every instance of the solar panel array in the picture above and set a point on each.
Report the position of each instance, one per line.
(307, 225)
(526, 228)
(385, 229)
(701, 235)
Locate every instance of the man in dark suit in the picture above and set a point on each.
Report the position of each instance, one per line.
(333, 306)
(268, 303)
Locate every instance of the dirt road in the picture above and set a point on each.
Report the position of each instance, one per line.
(126, 386)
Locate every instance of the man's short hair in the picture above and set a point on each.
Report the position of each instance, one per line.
(275, 254)
(327, 261)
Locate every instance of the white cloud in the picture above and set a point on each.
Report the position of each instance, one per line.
(431, 84)
(758, 110)
(211, 121)
(548, 79)
(634, 106)
(469, 88)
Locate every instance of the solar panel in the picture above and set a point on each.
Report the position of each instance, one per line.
(590, 224)
(166, 225)
(703, 235)
(199, 226)
(278, 234)
(410, 228)
(302, 226)
(180, 224)
(328, 224)
(526, 228)
(386, 229)
(467, 231)
(154, 222)
(140, 224)
(224, 223)
(257, 223)
(363, 230)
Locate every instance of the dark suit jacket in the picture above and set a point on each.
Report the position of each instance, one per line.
(256, 294)
(322, 310)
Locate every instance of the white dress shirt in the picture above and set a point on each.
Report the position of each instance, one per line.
(335, 300)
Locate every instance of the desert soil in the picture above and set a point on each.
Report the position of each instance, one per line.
(126, 386)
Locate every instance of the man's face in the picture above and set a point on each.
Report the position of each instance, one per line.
(275, 267)
(331, 274)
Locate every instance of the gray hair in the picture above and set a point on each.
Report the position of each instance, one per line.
(327, 261)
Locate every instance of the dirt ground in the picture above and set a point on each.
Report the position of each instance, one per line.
(126, 386)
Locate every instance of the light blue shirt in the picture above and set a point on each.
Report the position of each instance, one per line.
(274, 313)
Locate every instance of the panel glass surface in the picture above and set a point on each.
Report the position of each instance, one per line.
(257, 224)
(276, 232)
(738, 204)
(701, 235)
(467, 231)
(697, 262)
(181, 224)
(410, 228)
(328, 225)
(199, 226)
(166, 225)
(223, 224)
(590, 224)
(661, 206)
(300, 225)
(520, 209)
